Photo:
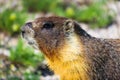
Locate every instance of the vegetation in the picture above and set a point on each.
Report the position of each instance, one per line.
(25, 55)
(12, 20)
(22, 61)
(95, 14)
(40, 5)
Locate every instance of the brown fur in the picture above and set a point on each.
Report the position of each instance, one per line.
(74, 54)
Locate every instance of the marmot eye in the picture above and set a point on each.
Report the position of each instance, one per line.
(48, 25)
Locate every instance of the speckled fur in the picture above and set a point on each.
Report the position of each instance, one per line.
(76, 55)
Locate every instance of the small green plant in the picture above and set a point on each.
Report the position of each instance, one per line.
(21, 63)
(25, 55)
(95, 14)
(12, 20)
(39, 5)
(31, 76)
(13, 78)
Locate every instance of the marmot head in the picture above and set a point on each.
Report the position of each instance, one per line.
(51, 34)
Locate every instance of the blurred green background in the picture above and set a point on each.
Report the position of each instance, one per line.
(20, 61)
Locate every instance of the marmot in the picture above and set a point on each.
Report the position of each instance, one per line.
(71, 52)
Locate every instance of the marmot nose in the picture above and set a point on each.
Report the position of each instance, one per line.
(25, 28)
(22, 32)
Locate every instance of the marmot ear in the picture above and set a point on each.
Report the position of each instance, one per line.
(69, 26)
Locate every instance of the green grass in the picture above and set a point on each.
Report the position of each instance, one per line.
(94, 14)
(25, 55)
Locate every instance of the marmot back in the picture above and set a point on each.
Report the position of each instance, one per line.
(71, 52)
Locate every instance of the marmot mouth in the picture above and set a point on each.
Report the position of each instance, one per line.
(31, 43)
